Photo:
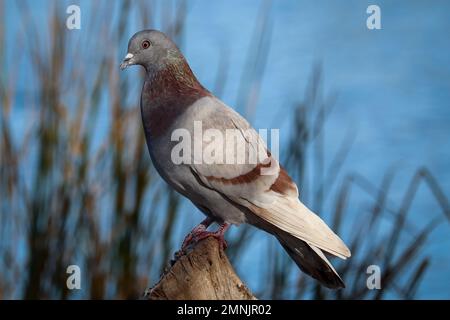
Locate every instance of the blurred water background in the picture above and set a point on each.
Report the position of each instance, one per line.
(389, 90)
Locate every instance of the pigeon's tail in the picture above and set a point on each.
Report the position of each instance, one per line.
(310, 260)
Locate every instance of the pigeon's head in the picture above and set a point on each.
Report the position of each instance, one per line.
(151, 49)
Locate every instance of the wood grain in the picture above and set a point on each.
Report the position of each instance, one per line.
(205, 273)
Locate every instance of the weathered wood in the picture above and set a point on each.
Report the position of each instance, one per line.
(205, 273)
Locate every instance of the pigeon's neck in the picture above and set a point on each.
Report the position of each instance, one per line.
(167, 93)
(174, 78)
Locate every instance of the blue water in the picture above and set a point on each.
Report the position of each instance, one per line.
(393, 88)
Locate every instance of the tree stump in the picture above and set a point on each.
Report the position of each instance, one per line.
(204, 273)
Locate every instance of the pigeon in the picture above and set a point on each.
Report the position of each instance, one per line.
(245, 188)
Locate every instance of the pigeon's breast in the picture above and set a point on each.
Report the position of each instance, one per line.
(158, 115)
(163, 103)
(163, 125)
(161, 116)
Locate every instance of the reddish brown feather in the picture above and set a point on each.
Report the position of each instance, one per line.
(244, 178)
(284, 184)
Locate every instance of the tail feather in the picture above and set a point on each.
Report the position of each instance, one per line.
(293, 217)
(310, 260)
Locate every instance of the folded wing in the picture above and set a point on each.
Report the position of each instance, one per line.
(263, 186)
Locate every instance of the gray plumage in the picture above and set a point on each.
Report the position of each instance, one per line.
(172, 99)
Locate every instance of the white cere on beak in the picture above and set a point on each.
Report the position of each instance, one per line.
(127, 61)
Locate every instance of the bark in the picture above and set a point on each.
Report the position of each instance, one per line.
(205, 273)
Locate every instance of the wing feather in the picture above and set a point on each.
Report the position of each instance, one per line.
(264, 187)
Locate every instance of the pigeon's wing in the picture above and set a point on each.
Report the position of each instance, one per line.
(262, 186)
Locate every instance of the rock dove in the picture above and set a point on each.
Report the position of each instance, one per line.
(258, 192)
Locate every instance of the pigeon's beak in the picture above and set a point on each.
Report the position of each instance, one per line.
(128, 61)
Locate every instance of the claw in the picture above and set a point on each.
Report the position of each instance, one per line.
(216, 234)
(199, 233)
(197, 230)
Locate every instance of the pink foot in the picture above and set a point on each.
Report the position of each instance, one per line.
(194, 232)
(219, 235)
(199, 233)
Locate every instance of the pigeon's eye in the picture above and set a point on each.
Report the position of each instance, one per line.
(145, 44)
